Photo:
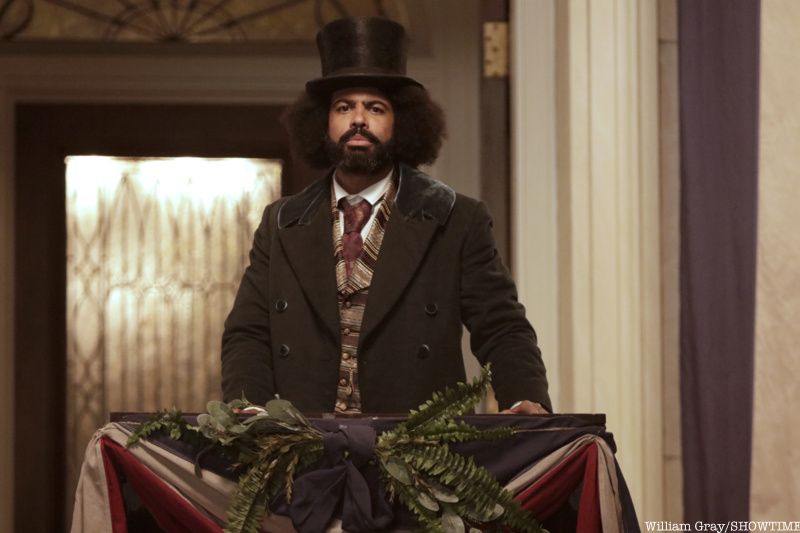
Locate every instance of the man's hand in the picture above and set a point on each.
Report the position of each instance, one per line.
(525, 407)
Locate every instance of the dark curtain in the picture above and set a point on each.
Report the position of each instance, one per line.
(719, 48)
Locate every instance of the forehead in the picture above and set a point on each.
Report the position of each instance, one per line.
(358, 94)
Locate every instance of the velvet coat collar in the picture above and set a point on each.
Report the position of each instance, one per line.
(418, 197)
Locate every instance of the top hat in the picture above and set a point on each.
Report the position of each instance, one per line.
(361, 52)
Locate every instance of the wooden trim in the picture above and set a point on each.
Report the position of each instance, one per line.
(496, 139)
(7, 406)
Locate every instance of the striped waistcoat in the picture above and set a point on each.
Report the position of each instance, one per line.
(352, 298)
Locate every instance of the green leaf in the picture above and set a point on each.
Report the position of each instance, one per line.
(496, 512)
(442, 494)
(284, 411)
(239, 404)
(452, 523)
(221, 413)
(427, 502)
(398, 469)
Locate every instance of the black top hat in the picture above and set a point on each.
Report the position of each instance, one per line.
(361, 51)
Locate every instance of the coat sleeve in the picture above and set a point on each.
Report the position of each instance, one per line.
(246, 352)
(499, 332)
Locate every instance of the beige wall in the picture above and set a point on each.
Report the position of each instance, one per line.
(775, 488)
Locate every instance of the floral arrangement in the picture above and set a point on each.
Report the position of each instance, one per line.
(446, 491)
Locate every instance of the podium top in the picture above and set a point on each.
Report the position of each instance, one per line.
(577, 419)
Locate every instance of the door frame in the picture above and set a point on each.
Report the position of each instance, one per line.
(46, 134)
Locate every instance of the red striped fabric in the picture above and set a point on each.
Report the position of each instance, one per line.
(172, 513)
(549, 494)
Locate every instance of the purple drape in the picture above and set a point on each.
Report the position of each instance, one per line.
(719, 47)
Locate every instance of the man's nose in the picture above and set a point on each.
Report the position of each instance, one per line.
(359, 118)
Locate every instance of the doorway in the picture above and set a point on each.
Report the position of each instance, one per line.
(46, 134)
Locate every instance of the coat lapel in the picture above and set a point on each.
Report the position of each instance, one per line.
(402, 251)
(308, 244)
(422, 205)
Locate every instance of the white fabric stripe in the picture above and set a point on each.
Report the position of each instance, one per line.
(608, 489)
(528, 476)
(91, 511)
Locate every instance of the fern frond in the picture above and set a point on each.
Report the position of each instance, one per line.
(450, 402)
(449, 430)
(429, 520)
(167, 420)
(477, 490)
(249, 501)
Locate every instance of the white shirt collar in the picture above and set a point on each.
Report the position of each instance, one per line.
(371, 194)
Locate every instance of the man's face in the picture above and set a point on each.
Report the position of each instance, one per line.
(360, 129)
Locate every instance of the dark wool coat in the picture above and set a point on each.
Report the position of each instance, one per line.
(437, 268)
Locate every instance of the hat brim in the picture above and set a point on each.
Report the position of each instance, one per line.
(329, 84)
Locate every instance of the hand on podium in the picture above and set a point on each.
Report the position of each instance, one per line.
(525, 407)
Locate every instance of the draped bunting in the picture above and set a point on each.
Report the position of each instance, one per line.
(172, 513)
(552, 460)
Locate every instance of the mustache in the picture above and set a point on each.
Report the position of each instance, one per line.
(358, 130)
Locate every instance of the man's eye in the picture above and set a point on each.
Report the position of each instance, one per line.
(342, 108)
(377, 109)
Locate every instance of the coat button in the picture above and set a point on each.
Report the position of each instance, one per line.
(431, 309)
(281, 305)
(283, 351)
(423, 351)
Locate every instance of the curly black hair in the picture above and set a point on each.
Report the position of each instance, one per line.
(419, 127)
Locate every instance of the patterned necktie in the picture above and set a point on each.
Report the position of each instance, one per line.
(355, 216)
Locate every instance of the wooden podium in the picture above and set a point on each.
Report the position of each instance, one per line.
(561, 468)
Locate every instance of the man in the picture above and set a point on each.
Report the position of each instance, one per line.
(358, 286)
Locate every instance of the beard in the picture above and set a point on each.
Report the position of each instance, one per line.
(358, 159)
